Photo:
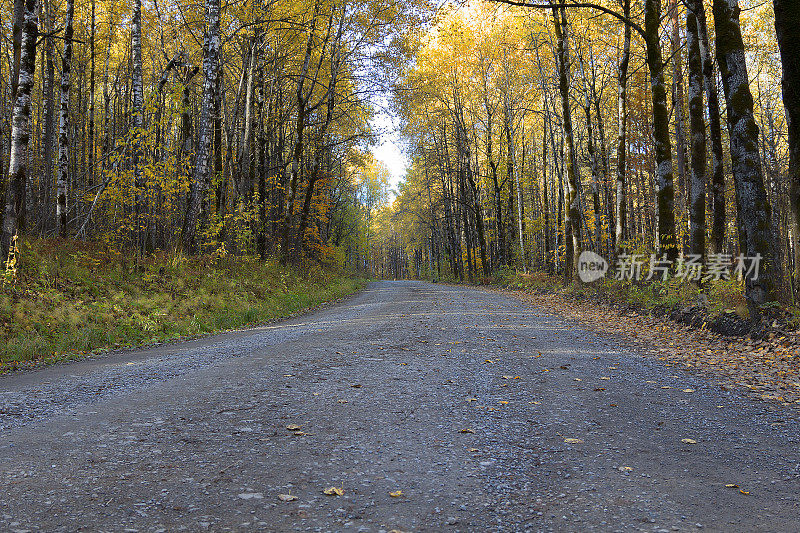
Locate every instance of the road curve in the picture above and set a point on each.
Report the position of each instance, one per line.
(488, 415)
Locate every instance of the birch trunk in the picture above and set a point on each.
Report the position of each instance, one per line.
(20, 128)
(63, 125)
(137, 95)
(211, 61)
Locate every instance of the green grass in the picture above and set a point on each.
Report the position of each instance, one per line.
(74, 298)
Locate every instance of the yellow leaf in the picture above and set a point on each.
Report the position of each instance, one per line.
(503, 402)
(573, 441)
(286, 497)
(688, 441)
(745, 492)
(605, 378)
(466, 430)
(294, 427)
(732, 486)
(334, 491)
(473, 450)
(625, 469)
(396, 494)
(688, 390)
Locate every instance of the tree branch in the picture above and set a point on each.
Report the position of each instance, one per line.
(590, 5)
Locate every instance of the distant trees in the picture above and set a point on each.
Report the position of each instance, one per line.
(728, 200)
(234, 130)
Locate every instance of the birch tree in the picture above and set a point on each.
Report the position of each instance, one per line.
(20, 128)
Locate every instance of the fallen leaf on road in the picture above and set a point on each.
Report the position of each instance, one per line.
(745, 492)
(286, 497)
(356, 385)
(688, 441)
(503, 402)
(473, 450)
(472, 399)
(688, 390)
(578, 379)
(396, 494)
(293, 427)
(732, 486)
(466, 430)
(334, 491)
(573, 441)
(605, 378)
(599, 389)
(666, 387)
(342, 401)
(536, 403)
(625, 469)
(488, 361)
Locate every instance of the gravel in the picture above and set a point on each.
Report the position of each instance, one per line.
(460, 398)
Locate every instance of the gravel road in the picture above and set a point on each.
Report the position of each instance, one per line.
(488, 415)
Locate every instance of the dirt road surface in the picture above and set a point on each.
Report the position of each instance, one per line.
(488, 415)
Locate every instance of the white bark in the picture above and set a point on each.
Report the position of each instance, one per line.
(20, 129)
(63, 126)
(211, 63)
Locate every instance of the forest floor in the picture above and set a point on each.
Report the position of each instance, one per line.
(408, 407)
(73, 299)
(687, 336)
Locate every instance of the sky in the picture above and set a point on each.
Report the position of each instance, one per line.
(389, 147)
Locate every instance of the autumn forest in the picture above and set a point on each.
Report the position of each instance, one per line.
(534, 131)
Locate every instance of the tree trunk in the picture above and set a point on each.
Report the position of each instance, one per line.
(48, 137)
(513, 174)
(787, 22)
(137, 94)
(90, 141)
(715, 131)
(63, 125)
(751, 197)
(697, 125)
(622, 119)
(20, 128)
(297, 153)
(572, 212)
(677, 103)
(665, 194)
(211, 62)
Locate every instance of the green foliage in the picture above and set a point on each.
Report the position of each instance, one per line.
(73, 298)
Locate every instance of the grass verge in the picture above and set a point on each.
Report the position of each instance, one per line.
(72, 298)
(718, 305)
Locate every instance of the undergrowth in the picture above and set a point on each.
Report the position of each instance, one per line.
(717, 297)
(73, 298)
